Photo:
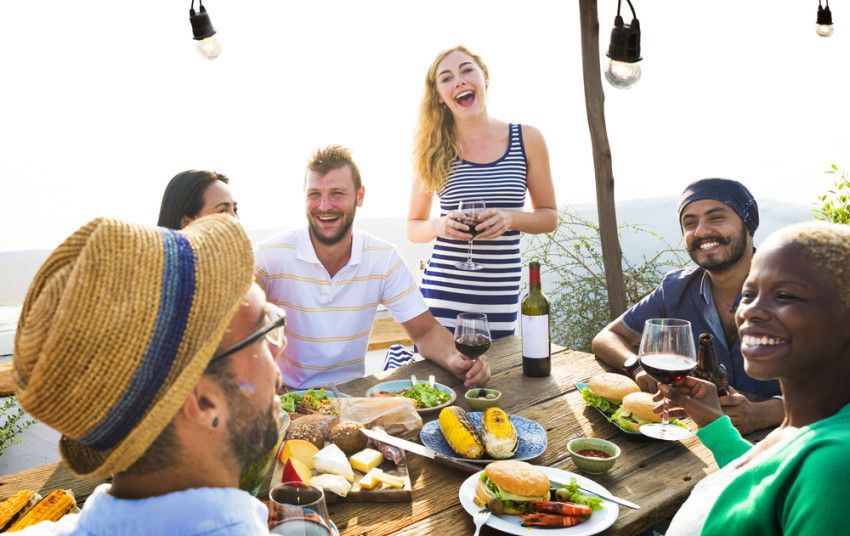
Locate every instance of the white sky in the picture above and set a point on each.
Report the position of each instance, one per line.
(103, 102)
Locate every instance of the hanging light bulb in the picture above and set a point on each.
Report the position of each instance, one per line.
(623, 70)
(203, 32)
(824, 25)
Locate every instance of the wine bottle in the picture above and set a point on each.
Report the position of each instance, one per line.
(709, 366)
(535, 328)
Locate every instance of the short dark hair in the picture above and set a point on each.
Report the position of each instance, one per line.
(184, 196)
(334, 157)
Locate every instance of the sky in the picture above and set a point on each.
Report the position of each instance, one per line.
(103, 102)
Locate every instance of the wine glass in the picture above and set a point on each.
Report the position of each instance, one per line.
(667, 353)
(472, 335)
(298, 509)
(472, 210)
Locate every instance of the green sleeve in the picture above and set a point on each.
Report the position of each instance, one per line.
(816, 503)
(723, 440)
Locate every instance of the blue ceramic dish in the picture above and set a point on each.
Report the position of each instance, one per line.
(400, 385)
(532, 439)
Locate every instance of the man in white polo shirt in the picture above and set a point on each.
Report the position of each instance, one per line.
(330, 280)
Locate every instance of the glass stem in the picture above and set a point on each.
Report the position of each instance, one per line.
(469, 254)
(664, 420)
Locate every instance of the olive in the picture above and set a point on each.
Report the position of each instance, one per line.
(490, 396)
(481, 393)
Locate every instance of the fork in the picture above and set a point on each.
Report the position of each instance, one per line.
(479, 518)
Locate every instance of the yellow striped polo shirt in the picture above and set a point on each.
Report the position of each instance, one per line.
(329, 319)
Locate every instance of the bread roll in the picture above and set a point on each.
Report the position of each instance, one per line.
(612, 386)
(641, 404)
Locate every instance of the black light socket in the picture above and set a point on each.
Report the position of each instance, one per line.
(201, 24)
(625, 41)
(824, 15)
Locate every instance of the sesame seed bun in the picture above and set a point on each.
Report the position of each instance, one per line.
(612, 386)
(641, 404)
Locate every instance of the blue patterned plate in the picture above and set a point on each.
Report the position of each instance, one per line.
(532, 438)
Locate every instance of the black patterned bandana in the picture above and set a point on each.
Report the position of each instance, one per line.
(729, 192)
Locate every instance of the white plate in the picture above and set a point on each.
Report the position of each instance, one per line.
(599, 520)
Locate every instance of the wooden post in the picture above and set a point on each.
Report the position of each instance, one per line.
(595, 103)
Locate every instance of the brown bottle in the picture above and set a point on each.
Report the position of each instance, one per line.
(709, 367)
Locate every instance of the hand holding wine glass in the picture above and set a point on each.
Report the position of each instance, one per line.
(471, 210)
(472, 335)
(667, 353)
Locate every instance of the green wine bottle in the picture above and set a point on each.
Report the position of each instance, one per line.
(535, 328)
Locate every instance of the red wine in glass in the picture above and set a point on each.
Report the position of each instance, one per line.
(667, 368)
(473, 345)
(472, 230)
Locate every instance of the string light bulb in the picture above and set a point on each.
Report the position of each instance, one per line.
(824, 24)
(623, 69)
(203, 31)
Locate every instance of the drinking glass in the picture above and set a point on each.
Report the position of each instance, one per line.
(472, 335)
(472, 210)
(667, 353)
(298, 509)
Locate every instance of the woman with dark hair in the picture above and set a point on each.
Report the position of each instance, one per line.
(193, 194)
(793, 326)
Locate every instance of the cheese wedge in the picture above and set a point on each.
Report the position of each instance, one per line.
(332, 483)
(366, 460)
(369, 480)
(295, 471)
(300, 449)
(390, 480)
(331, 460)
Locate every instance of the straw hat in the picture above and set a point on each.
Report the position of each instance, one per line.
(117, 327)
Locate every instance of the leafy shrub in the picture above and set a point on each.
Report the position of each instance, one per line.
(575, 284)
(834, 206)
(12, 423)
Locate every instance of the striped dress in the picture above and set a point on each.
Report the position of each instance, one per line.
(494, 290)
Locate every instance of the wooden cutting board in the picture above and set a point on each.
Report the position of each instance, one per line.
(357, 494)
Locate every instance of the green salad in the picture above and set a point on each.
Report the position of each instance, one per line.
(423, 395)
(570, 493)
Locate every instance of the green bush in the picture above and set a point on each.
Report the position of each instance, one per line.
(834, 206)
(12, 423)
(571, 258)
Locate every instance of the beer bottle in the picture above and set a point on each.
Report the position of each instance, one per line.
(709, 366)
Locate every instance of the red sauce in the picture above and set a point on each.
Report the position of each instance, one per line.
(593, 453)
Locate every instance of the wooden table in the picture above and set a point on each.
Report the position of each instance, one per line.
(657, 475)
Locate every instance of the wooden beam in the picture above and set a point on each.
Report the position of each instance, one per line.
(594, 97)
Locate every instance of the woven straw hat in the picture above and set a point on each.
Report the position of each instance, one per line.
(117, 327)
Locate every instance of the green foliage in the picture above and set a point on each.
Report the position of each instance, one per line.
(834, 206)
(575, 280)
(12, 423)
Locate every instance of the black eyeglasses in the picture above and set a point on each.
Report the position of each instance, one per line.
(273, 332)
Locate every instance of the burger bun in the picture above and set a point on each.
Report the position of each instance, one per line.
(641, 404)
(612, 386)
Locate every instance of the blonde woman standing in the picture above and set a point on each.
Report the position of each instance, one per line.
(462, 153)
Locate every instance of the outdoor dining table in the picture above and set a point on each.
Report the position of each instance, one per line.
(657, 475)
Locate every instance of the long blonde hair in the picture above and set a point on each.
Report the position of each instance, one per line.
(435, 144)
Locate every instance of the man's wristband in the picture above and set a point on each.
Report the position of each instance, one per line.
(632, 366)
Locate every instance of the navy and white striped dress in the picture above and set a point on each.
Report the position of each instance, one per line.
(494, 290)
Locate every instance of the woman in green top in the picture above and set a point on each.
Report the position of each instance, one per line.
(793, 323)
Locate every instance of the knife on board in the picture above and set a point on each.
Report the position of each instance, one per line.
(601, 495)
(421, 450)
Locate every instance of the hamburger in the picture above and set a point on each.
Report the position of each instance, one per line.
(507, 486)
(607, 390)
(635, 411)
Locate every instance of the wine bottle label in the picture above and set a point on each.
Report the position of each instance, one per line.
(535, 336)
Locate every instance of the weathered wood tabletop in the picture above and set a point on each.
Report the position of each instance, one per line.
(657, 475)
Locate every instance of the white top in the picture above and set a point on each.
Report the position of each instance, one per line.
(190, 512)
(329, 319)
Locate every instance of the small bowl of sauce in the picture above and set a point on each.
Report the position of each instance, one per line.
(592, 455)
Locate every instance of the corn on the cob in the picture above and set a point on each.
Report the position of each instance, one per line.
(460, 433)
(56, 504)
(16, 506)
(500, 437)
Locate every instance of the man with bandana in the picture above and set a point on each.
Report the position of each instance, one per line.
(718, 218)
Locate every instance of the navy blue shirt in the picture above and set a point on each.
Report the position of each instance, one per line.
(686, 294)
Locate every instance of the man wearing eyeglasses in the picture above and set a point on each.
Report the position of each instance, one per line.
(330, 280)
(718, 218)
(168, 385)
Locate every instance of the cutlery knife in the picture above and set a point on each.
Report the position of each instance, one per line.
(605, 496)
(421, 450)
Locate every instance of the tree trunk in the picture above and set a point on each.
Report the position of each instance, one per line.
(595, 103)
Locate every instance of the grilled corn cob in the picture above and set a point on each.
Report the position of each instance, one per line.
(56, 504)
(460, 433)
(499, 434)
(16, 506)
